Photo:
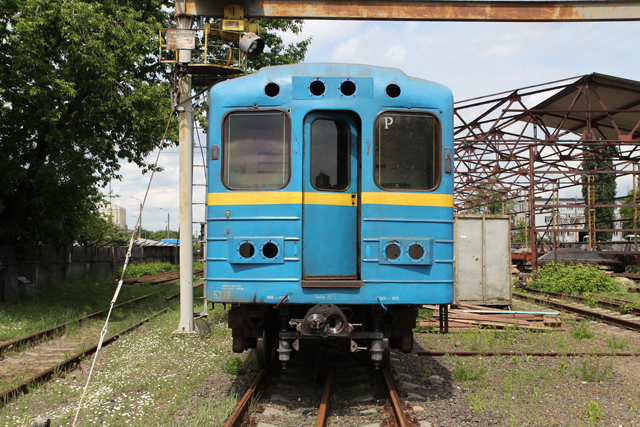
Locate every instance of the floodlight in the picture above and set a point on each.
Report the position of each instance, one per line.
(251, 44)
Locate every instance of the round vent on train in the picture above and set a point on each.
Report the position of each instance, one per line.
(392, 251)
(317, 88)
(270, 249)
(416, 251)
(393, 90)
(348, 88)
(246, 250)
(272, 89)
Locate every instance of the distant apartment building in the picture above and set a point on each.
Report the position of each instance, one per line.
(116, 214)
(569, 217)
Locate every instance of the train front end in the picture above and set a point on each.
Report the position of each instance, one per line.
(330, 216)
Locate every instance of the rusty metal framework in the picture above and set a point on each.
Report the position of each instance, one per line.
(434, 10)
(511, 146)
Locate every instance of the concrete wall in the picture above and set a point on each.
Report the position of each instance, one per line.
(62, 262)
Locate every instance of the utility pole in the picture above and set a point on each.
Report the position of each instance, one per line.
(168, 222)
(140, 227)
(185, 117)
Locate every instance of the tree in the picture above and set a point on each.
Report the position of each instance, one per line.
(488, 198)
(627, 214)
(80, 90)
(520, 233)
(599, 157)
(275, 52)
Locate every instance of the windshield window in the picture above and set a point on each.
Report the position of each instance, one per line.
(407, 151)
(256, 150)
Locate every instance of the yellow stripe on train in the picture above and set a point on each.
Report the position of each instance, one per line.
(332, 199)
(255, 198)
(408, 199)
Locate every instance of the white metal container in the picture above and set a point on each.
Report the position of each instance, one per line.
(482, 259)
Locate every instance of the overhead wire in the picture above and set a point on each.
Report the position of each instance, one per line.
(103, 333)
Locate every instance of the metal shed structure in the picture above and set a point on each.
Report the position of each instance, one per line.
(531, 143)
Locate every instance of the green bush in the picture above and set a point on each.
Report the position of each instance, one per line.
(233, 366)
(146, 269)
(572, 279)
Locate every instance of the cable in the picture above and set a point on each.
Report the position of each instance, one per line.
(103, 333)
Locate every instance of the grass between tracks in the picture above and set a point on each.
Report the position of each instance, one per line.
(541, 391)
(61, 302)
(148, 377)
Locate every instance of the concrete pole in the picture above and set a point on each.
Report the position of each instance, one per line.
(185, 116)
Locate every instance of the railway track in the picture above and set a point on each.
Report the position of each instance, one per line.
(60, 329)
(34, 359)
(166, 277)
(613, 318)
(65, 365)
(623, 306)
(346, 382)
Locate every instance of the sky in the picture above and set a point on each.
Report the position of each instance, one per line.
(473, 59)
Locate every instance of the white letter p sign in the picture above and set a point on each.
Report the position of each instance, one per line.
(388, 121)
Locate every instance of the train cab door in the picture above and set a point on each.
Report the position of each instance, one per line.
(331, 196)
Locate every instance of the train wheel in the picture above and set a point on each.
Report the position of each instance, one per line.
(386, 353)
(263, 349)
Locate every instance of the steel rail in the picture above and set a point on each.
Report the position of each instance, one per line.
(586, 313)
(617, 304)
(237, 416)
(396, 403)
(152, 278)
(66, 365)
(522, 353)
(323, 413)
(39, 336)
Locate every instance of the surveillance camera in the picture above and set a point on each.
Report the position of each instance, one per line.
(252, 45)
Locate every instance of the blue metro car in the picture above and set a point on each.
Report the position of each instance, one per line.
(330, 206)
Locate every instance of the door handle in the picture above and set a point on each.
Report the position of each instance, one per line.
(353, 199)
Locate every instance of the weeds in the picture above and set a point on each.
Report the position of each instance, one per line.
(626, 308)
(397, 372)
(466, 372)
(536, 393)
(613, 344)
(253, 404)
(563, 367)
(582, 332)
(592, 370)
(594, 411)
(477, 404)
(146, 269)
(233, 366)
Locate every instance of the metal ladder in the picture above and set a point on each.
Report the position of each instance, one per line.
(200, 170)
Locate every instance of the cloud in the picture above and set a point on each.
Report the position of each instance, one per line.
(471, 58)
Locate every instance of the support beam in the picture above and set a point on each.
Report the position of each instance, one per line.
(419, 10)
(185, 124)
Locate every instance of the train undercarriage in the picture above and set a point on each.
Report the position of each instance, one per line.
(357, 327)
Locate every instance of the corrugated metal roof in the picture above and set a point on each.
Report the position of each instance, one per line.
(149, 242)
(607, 93)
